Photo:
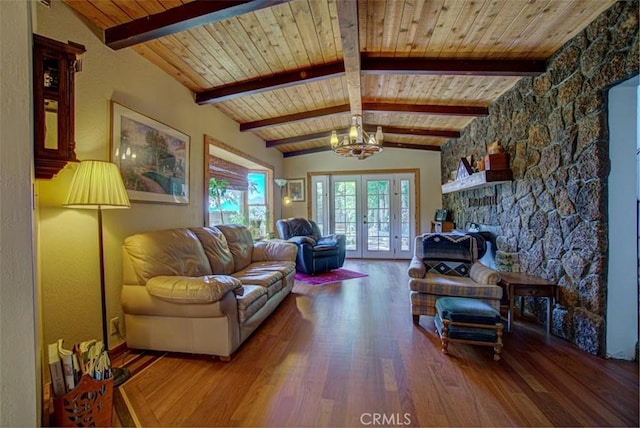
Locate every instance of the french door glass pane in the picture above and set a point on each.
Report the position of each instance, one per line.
(320, 207)
(405, 227)
(378, 215)
(345, 211)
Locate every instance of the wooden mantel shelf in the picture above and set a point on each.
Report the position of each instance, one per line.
(478, 180)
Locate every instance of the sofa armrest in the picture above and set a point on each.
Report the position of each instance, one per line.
(301, 240)
(483, 275)
(185, 289)
(274, 251)
(416, 268)
(335, 239)
(327, 240)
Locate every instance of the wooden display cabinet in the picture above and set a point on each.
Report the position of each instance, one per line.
(54, 67)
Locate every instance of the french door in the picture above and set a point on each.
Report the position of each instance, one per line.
(376, 212)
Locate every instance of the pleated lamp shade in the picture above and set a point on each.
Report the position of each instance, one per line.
(97, 185)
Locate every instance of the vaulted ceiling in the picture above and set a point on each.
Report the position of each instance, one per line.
(292, 71)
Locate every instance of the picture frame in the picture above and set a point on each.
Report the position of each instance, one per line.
(295, 189)
(441, 215)
(153, 157)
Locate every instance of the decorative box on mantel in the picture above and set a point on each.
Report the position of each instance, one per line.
(496, 161)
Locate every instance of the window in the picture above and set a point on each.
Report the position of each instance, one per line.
(249, 207)
(238, 189)
(257, 204)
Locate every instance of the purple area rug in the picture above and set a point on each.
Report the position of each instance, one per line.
(327, 277)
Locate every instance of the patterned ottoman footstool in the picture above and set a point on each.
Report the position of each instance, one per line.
(463, 320)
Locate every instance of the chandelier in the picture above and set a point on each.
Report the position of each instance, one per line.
(358, 142)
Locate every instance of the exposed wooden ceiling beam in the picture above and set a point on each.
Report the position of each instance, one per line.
(348, 23)
(306, 151)
(459, 110)
(277, 81)
(373, 65)
(423, 132)
(462, 67)
(445, 133)
(303, 138)
(180, 18)
(386, 144)
(411, 146)
(295, 117)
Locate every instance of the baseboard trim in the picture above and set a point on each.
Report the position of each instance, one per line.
(118, 350)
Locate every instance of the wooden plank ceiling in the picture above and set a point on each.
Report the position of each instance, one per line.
(292, 71)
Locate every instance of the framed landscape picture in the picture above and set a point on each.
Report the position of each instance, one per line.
(153, 157)
(295, 189)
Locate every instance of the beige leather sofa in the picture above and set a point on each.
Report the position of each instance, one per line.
(201, 290)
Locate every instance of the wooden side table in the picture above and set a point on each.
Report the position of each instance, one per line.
(442, 226)
(522, 284)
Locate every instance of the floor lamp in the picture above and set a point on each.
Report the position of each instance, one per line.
(280, 182)
(98, 185)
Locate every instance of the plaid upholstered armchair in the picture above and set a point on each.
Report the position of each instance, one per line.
(446, 264)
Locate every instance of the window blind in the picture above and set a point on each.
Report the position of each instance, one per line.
(235, 174)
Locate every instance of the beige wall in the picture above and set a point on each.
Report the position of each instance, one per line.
(68, 263)
(19, 347)
(427, 161)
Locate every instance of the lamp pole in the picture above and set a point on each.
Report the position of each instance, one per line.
(98, 185)
(281, 183)
(103, 291)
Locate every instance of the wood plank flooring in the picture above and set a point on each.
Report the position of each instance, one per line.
(347, 354)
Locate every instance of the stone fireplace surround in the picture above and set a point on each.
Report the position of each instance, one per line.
(551, 221)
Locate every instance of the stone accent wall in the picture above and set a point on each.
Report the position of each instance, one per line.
(552, 219)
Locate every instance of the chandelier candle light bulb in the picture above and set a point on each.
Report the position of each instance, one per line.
(358, 143)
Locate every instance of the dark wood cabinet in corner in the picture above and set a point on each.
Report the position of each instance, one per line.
(54, 67)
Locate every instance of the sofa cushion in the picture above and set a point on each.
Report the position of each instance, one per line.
(460, 309)
(445, 285)
(254, 298)
(300, 227)
(173, 252)
(285, 268)
(215, 247)
(240, 243)
(447, 267)
(204, 289)
(483, 275)
(448, 246)
(254, 274)
(274, 250)
(448, 253)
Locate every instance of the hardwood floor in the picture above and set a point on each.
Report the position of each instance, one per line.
(347, 354)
